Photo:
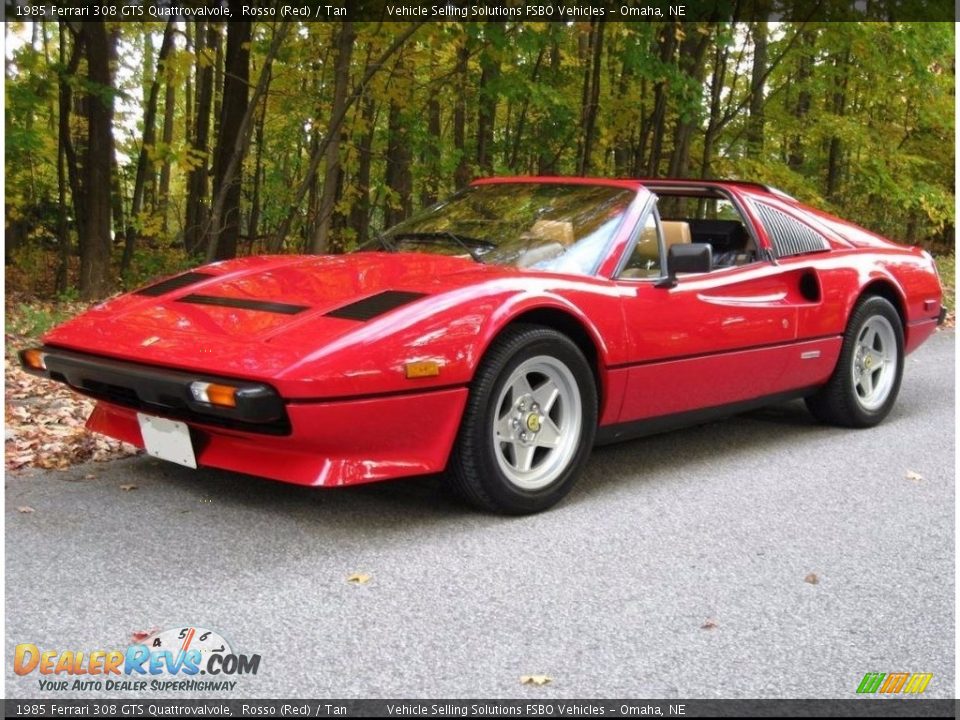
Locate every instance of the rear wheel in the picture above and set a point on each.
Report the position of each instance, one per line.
(529, 423)
(865, 384)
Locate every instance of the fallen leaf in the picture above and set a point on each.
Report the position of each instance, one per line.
(709, 624)
(914, 475)
(359, 578)
(128, 487)
(44, 420)
(141, 635)
(535, 679)
(25, 509)
(90, 476)
(812, 578)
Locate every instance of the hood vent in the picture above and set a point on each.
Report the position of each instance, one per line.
(375, 305)
(244, 304)
(174, 283)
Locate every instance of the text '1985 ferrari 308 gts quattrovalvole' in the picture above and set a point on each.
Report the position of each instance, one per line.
(499, 335)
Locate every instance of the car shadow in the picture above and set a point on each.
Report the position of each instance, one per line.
(424, 500)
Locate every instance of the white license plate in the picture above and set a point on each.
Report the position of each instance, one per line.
(167, 440)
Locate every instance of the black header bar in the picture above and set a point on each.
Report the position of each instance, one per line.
(484, 10)
(533, 706)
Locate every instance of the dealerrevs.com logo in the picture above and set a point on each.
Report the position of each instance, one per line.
(183, 658)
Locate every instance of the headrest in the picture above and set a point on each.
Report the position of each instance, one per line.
(675, 232)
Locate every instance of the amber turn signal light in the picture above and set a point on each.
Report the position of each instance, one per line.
(424, 368)
(34, 358)
(220, 395)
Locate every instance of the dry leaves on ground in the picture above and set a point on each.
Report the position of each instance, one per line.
(44, 420)
(141, 635)
(914, 475)
(535, 679)
(359, 578)
(709, 624)
(812, 578)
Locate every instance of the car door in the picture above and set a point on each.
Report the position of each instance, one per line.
(710, 339)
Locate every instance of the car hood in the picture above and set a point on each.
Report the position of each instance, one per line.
(258, 317)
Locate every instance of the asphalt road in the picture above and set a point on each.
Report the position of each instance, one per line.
(607, 594)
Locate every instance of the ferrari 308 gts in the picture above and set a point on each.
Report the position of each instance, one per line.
(500, 334)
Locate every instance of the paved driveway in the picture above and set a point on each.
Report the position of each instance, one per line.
(676, 568)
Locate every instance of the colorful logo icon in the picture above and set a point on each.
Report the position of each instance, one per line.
(891, 683)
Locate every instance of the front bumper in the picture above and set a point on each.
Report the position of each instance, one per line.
(330, 443)
(162, 391)
(305, 442)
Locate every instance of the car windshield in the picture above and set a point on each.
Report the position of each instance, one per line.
(546, 226)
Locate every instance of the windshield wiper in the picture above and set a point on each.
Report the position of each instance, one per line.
(380, 240)
(467, 243)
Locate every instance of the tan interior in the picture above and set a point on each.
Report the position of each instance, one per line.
(558, 231)
(676, 232)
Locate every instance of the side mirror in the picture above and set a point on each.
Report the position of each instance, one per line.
(687, 258)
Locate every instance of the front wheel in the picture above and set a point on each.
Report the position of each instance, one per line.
(865, 384)
(529, 423)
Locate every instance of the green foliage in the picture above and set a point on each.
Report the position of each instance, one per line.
(947, 266)
(152, 262)
(31, 320)
(857, 118)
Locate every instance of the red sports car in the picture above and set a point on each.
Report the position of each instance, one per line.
(502, 333)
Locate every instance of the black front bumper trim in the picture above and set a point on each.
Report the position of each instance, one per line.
(157, 390)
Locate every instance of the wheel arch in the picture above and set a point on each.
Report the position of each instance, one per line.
(888, 290)
(569, 324)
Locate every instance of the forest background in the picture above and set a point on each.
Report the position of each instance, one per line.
(137, 149)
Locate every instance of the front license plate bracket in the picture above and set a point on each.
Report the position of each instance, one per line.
(167, 440)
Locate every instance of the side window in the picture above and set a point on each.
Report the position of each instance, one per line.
(644, 260)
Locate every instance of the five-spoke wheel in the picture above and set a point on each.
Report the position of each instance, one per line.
(537, 423)
(529, 423)
(866, 381)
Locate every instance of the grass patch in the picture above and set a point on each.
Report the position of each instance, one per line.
(947, 265)
(34, 319)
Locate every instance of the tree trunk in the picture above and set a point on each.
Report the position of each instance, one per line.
(796, 156)
(169, 116)
(332, 184)
(591, 95)
(692, 62)
(839, 107)
(461, 176)
(360, 211)
(432, 155)
(253, 223)
(755, 126)
(399, 177)
(66, 140)
(225, 227)
(522, 119)
(487, 110)
(66, 158)
(146, 146)
(206, 38)
(95, 240)
(657, 125)
(716, 90)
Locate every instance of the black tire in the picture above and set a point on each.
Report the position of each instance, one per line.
(838, 402)
(474, 472)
